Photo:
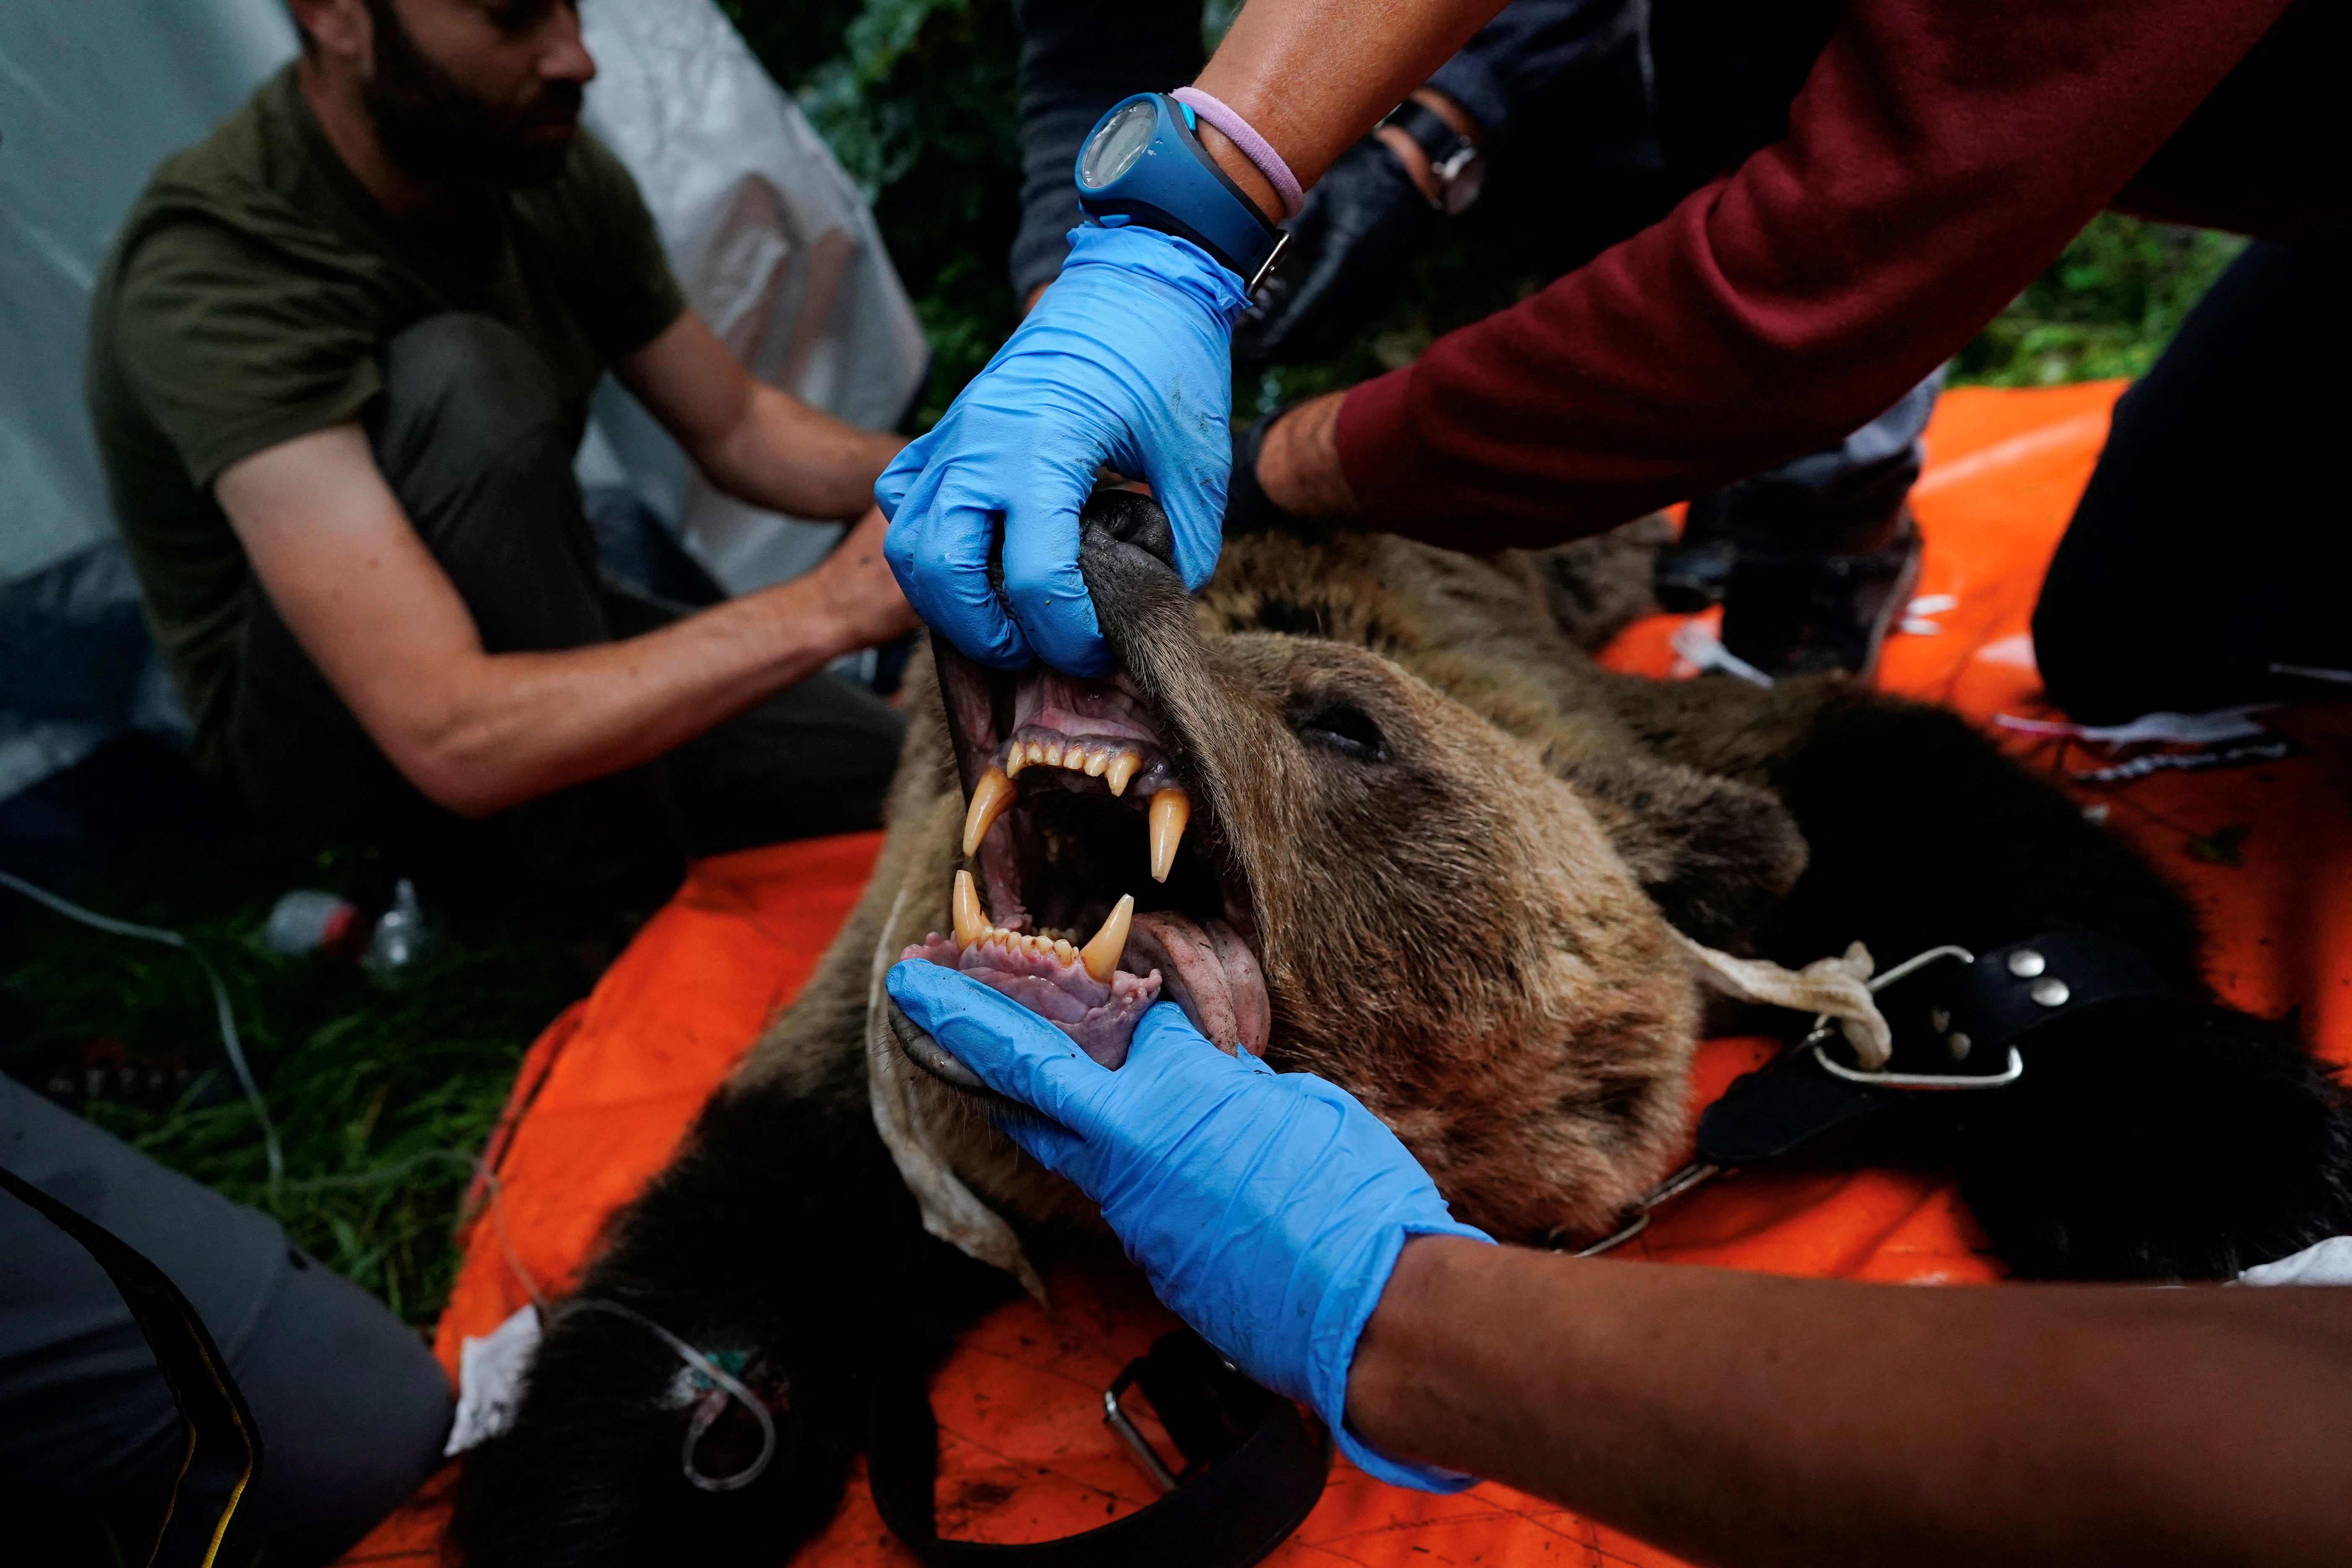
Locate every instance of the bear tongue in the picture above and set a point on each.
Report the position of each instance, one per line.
(1208, 971)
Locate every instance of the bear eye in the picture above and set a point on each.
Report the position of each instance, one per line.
(1337, 725)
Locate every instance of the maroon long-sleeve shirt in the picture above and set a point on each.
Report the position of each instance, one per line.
(1941, 154)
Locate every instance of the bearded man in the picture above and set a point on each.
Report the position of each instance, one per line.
(339, 361)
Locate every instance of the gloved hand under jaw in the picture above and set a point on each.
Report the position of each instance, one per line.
(1125, 360)
(1268, 1209)
(1349, 246)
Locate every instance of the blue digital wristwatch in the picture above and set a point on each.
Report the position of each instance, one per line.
(1142, 163)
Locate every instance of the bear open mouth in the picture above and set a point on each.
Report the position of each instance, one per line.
(1097, 886)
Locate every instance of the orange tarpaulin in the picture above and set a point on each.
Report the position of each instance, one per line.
(607, 1091)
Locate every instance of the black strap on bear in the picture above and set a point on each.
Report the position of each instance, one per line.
(1962, 1021)
(221, 1446)
(1254, 1467)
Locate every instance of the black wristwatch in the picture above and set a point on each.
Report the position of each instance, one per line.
(1452, 157)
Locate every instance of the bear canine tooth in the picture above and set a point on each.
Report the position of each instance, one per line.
(991, 797)
(1102, 954)
(971, 920)
(1171, 809)
(1122, 769)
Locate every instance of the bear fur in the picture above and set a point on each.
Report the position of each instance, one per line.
(1461, 852)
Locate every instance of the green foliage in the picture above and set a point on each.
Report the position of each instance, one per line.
(382, 1097)
(2106, 307)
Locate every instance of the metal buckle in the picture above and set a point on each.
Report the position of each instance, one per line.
(1818, 1037)
(1674, 1186)
(1273, 259)
(1140, 1446)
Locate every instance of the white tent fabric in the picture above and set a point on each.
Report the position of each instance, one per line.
(772, 241)
(775, 248)
(91, 97)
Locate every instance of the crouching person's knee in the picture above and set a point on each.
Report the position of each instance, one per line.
(354, 1412)
(462, 394)
(350, 1409)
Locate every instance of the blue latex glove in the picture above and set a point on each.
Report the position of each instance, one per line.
(1268, 1209)
(1125, 360)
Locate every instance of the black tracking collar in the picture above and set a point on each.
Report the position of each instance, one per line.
(1960, 1020)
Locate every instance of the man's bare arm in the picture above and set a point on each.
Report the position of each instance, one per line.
(475, 732)
(757, 443)
(1311, 76)
(1743, 1419)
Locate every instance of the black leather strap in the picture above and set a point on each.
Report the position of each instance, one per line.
(1950, 1019)
(1255, 1468)
(1427, 127)
(1778, 1108)
(2007, 995)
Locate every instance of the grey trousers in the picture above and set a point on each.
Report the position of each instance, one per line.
(470, 435)
(352, 1409)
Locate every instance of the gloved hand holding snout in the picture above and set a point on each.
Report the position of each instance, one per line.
(1125, 361)
(1266, 1208)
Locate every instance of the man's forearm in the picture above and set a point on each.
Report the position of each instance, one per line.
(756, 442)
(1937, 158)
(1311, 76)
(515, 726)
(790, 457)
(1742, 1419)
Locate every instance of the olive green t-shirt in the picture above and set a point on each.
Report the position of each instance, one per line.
(247, 300)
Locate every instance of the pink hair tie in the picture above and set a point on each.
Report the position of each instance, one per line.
(1253, 147)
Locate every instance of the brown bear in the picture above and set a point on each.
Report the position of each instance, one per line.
(1368, 808)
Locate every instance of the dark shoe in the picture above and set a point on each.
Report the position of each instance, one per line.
(1808, 613)
(1695, 572)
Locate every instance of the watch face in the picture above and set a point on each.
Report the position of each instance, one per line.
(1460, 179)
(1117, 144)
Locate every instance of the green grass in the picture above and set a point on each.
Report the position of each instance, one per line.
(2106, 307)
(381, 1096)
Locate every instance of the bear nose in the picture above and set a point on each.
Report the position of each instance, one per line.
(1132, 518)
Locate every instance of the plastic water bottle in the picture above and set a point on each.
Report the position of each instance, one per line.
(405, 936)
(307, 919)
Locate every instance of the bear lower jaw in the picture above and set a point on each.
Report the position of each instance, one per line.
(1098, 994)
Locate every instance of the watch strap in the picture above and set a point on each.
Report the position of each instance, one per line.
(1453, 155)
(1429, 131)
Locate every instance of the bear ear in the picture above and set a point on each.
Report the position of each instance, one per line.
(1713, 854)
